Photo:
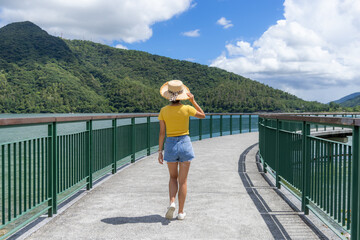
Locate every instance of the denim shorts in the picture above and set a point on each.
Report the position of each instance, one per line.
(178, 149)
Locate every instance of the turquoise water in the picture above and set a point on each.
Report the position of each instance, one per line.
(12, 134)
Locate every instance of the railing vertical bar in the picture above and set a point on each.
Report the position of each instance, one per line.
(277, 154)
(148, 140)
(344, 187)
(20, 177)
(349, 188)
(9, 180)
(331, 187)
(249, 123)
(114, 143)
(322, 154)
(29, 181)
(50, 170)
(336, 162)
(326, 179)
(221, 125)
(61, 164)
(34, 173)
(84, 155)
(25, 175)
(240, 123)
(355, 233)
(55, 167)
(15, 163)
(133, 140)
(340, 182)
(305, 168)
(3, 219)
(231, 124)
(211, 126)
(317, 175)
(63, 159)
(77, 157)
(68, 162)
(200, 129)
(38, 170)
(72, 145)
(89, 154)
(42, 170)
(311, 152)
(74, 153)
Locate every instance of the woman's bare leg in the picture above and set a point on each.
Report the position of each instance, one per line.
(183, 173)
(173, 182)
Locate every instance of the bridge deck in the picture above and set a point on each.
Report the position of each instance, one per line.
(227, 199)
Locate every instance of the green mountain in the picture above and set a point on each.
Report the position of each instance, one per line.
(352, 102)
(43, 73)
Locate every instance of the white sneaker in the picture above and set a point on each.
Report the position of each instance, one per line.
(170, 211)
(181, 216)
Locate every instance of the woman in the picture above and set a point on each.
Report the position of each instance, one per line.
(178, 151)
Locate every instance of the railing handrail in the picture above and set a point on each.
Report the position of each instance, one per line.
(317, 119)
(44, 120)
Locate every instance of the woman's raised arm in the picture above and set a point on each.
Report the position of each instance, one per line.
(200, 113)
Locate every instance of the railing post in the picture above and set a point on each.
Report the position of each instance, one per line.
(277, 153)
(355, 231)
(148, 122)
(305, 168)
(240, 123)
(54, 167)
(200, 129)
(231, 124)
(133, 140)
(249, 123)
(49, 170)
(114, 167)
(221, 123)
(263, 154)
(211, 125)
(89, 153)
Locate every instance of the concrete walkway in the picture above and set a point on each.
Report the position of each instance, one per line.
(227, 199)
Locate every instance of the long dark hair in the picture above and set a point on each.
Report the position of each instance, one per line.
(176, 101)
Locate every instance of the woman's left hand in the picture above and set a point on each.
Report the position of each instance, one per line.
(161, 158)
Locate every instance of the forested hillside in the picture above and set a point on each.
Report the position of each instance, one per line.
(353, 102)
(43, 73)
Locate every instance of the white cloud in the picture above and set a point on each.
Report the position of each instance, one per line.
(108, 20)
(224, 22)
(120, 46)
(193, 33)
(316, 48)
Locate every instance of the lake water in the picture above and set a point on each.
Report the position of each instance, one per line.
(11, 134)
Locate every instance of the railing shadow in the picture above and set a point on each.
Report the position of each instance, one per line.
(276, 228)
(142, 219)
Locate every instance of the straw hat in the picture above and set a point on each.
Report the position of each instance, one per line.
(174, 90)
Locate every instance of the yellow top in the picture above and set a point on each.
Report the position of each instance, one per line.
(176, 119)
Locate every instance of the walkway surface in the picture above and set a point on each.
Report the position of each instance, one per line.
(228, 198)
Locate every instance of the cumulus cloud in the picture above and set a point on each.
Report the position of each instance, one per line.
(120, 46)
(108, 20)
(315, 48)
(224, 22)
(193, 33)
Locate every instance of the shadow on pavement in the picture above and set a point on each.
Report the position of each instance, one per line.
(142, 219)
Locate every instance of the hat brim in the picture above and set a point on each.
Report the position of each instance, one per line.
(164, 91)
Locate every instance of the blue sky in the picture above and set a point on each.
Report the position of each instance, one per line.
(309, 48)
(250, 20)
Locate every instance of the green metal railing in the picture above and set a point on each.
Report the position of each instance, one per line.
(39, 173)
(321, 173)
